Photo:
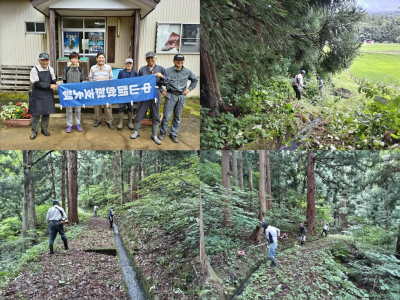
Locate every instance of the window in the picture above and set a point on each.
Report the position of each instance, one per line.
(35, 27)
(178, 38)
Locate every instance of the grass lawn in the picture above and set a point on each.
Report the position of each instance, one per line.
(380, 47)
(377, 67)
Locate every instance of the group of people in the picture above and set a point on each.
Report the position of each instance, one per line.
(298, 85)
(56, 217)
(175, 79)
(273, 234)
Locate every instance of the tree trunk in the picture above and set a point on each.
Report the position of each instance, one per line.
(121, 165)
(133, 180)
(27, 160)
(343, 216)
(63, 180)
(67, 181)
(210, 95)
(310, 193)
(234, 168)
(226, 183)
(52, 178)
(241, 168)
(115, 172)
(261, 195)
(269, 205)
(32, 211)
(398, 244)
(250, 180)
(73, 187)
(203, 255)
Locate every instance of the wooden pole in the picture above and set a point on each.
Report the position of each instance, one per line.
(53, 58)
(136, 32)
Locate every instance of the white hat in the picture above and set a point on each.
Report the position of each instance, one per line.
(128, 60)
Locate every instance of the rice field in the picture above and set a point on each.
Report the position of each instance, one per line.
(378, 63)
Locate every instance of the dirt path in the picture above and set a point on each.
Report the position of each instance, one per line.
(73, 274)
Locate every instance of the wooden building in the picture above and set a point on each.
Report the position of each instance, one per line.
(119, 28)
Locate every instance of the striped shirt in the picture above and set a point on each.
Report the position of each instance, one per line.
(98, 74)
(53, 214)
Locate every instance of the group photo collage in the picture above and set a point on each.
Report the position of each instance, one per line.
(200, 149)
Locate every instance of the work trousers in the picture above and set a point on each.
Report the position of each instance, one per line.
(44, 124)
(272, 250)
(56, 227)
(326, 232)
(111, 221)
(298, 92)
(142, 107)
(123, 105)
(107, 112)
(175, 104)
(77, 115)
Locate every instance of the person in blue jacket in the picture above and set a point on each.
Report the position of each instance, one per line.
(126, 73)
(111, 216)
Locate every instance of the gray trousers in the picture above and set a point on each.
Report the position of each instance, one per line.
(175, 104)
(44, 124)
(142, 107)
(77, 115)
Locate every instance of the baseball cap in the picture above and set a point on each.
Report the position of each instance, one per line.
(128, 60)
(44, 56)
(303, 72)
(179, 56)
(150, 54)
(55, 201)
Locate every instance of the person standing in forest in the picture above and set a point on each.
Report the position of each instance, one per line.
(41, 99)
(95, 210)
(111, 216)
(302, 234)
(84, 208)
(320, 85)
(297, 83)
(55, 215)
(272, 234)
(325, 229)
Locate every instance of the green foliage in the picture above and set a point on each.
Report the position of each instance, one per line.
(10, 228)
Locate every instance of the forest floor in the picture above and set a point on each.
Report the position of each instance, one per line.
(73, 273)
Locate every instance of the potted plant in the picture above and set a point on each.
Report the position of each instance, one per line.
(147, 119)
(16, 114)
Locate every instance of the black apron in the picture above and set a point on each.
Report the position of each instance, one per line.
(41, 102)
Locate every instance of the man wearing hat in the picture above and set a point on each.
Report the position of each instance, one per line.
(154, 104)
(272, 234)
(54, 216)
(297, 83)
(176, 94)
(126, 73)
(41, 100)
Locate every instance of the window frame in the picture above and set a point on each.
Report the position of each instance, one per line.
(180, 37)
(35, 32)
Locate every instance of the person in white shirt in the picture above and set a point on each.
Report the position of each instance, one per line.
(54, 216)
(297, 83)
(272, 234)
(95, 210)
(325, 229)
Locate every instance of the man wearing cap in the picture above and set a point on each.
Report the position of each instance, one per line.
(126, 73)
(176, 94)
(298, 81)
(154, 104)
(54, 216)
(272, 233)
(41, 100)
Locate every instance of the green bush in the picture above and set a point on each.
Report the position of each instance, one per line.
(10, 228)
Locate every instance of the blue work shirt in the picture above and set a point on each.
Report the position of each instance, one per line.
(179, 78)
(110, 213)
(144, 71)
(125, 74)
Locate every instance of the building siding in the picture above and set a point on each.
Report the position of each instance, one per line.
(18, 47)
(174, 11)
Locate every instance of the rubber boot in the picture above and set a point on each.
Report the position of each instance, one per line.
(154, 129)
(35, 128)
(45, 125)
(121, 120)
(51, 249)
(130, 125)
(137, 130)
(66, 245)
(274, 264)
